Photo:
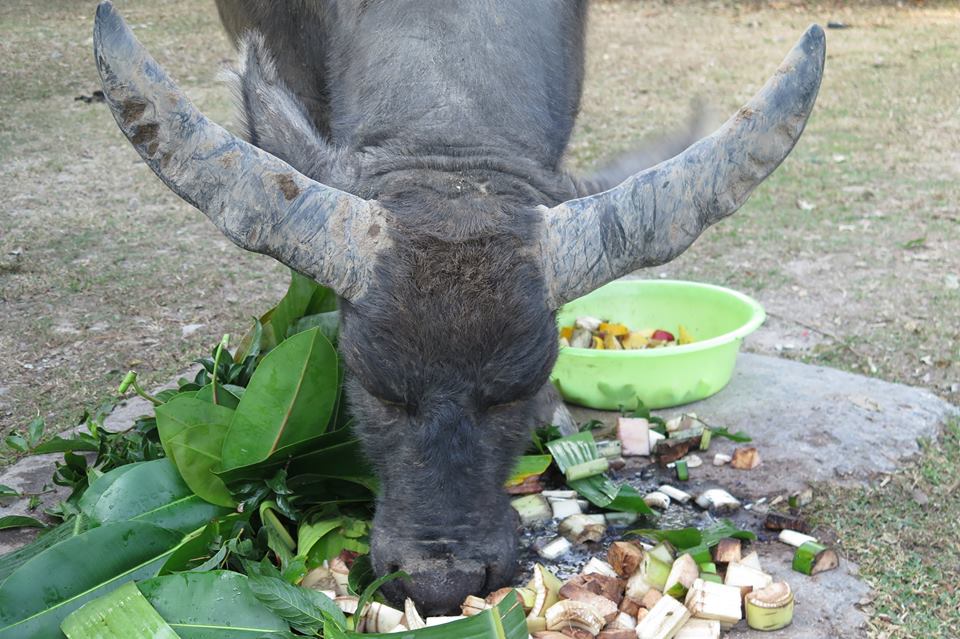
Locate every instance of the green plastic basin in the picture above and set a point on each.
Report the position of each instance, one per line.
(717, 317)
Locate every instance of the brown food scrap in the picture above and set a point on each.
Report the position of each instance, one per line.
(619, 633)
(651, 598)
(529, 486)
(670, 450)
(783, 521)
(603, 585)
(607, 609)
(624, 557)
(728, 551)
(745, 458)
(630, 606)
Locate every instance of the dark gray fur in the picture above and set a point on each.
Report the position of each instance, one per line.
(450, 349)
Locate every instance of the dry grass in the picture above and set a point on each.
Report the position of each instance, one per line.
(101, 267)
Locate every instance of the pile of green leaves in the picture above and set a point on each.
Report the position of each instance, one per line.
(202, 518)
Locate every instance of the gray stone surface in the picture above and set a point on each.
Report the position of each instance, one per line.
(825, 605)
(810, 423)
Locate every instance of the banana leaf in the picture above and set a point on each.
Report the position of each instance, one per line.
(211, 605)
(528, 466)
(122, 614)
(599, 489)
(152, 492)
(289, 399)
(39, 595)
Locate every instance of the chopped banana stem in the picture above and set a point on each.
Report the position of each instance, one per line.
(563, 508)
(664, 620)
(746, 578)
(719, 501)
(587, 469)
(752, 560)
(770, 608)
(675, 494)
(794, 538)
(699, 629)
(555, 549)
(533, 509)
(569, 613)
(599, 567)
(657, 499)
(708, 600)
(683, 472)
(812, 558)
(582, 528)
(682, 575)
(727, 551)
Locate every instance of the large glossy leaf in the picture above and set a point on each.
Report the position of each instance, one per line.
(307, 455)
(224, 396)
(211, 605)
(70, 528)
(181, 413)
(196, 451)
(289, 399)
(121, 614)
(38, 596)
(148, 491)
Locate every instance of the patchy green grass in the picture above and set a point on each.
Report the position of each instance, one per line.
(903, 531)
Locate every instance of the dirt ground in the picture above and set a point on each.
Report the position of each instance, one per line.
(852, 246)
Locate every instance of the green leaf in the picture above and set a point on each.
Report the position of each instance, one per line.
(303, 609)
(361, 574)
(196, 451)
(148, 491)
(35, 430)
(289, 399)
(70, 528)
(529, 466)
(687, 538)
(122, 614)
(83, 443)
(38, 596)
(739, 436)
(20, 521)
(224, 396)
(17, 443)
(6, 491)
(310, 534)
(181, 413)
(211, 605)
(328, 323)
(680, 538)
(372, 588)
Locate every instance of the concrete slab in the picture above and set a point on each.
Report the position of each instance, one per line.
(810, 423)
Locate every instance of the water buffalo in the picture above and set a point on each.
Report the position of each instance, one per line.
(408, 154)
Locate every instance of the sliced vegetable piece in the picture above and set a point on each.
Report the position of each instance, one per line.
(770, 608)
(812, 558)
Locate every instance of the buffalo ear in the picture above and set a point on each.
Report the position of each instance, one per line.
(653, 216)
(257, 200)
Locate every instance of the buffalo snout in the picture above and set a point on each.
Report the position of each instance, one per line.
(445, 566)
